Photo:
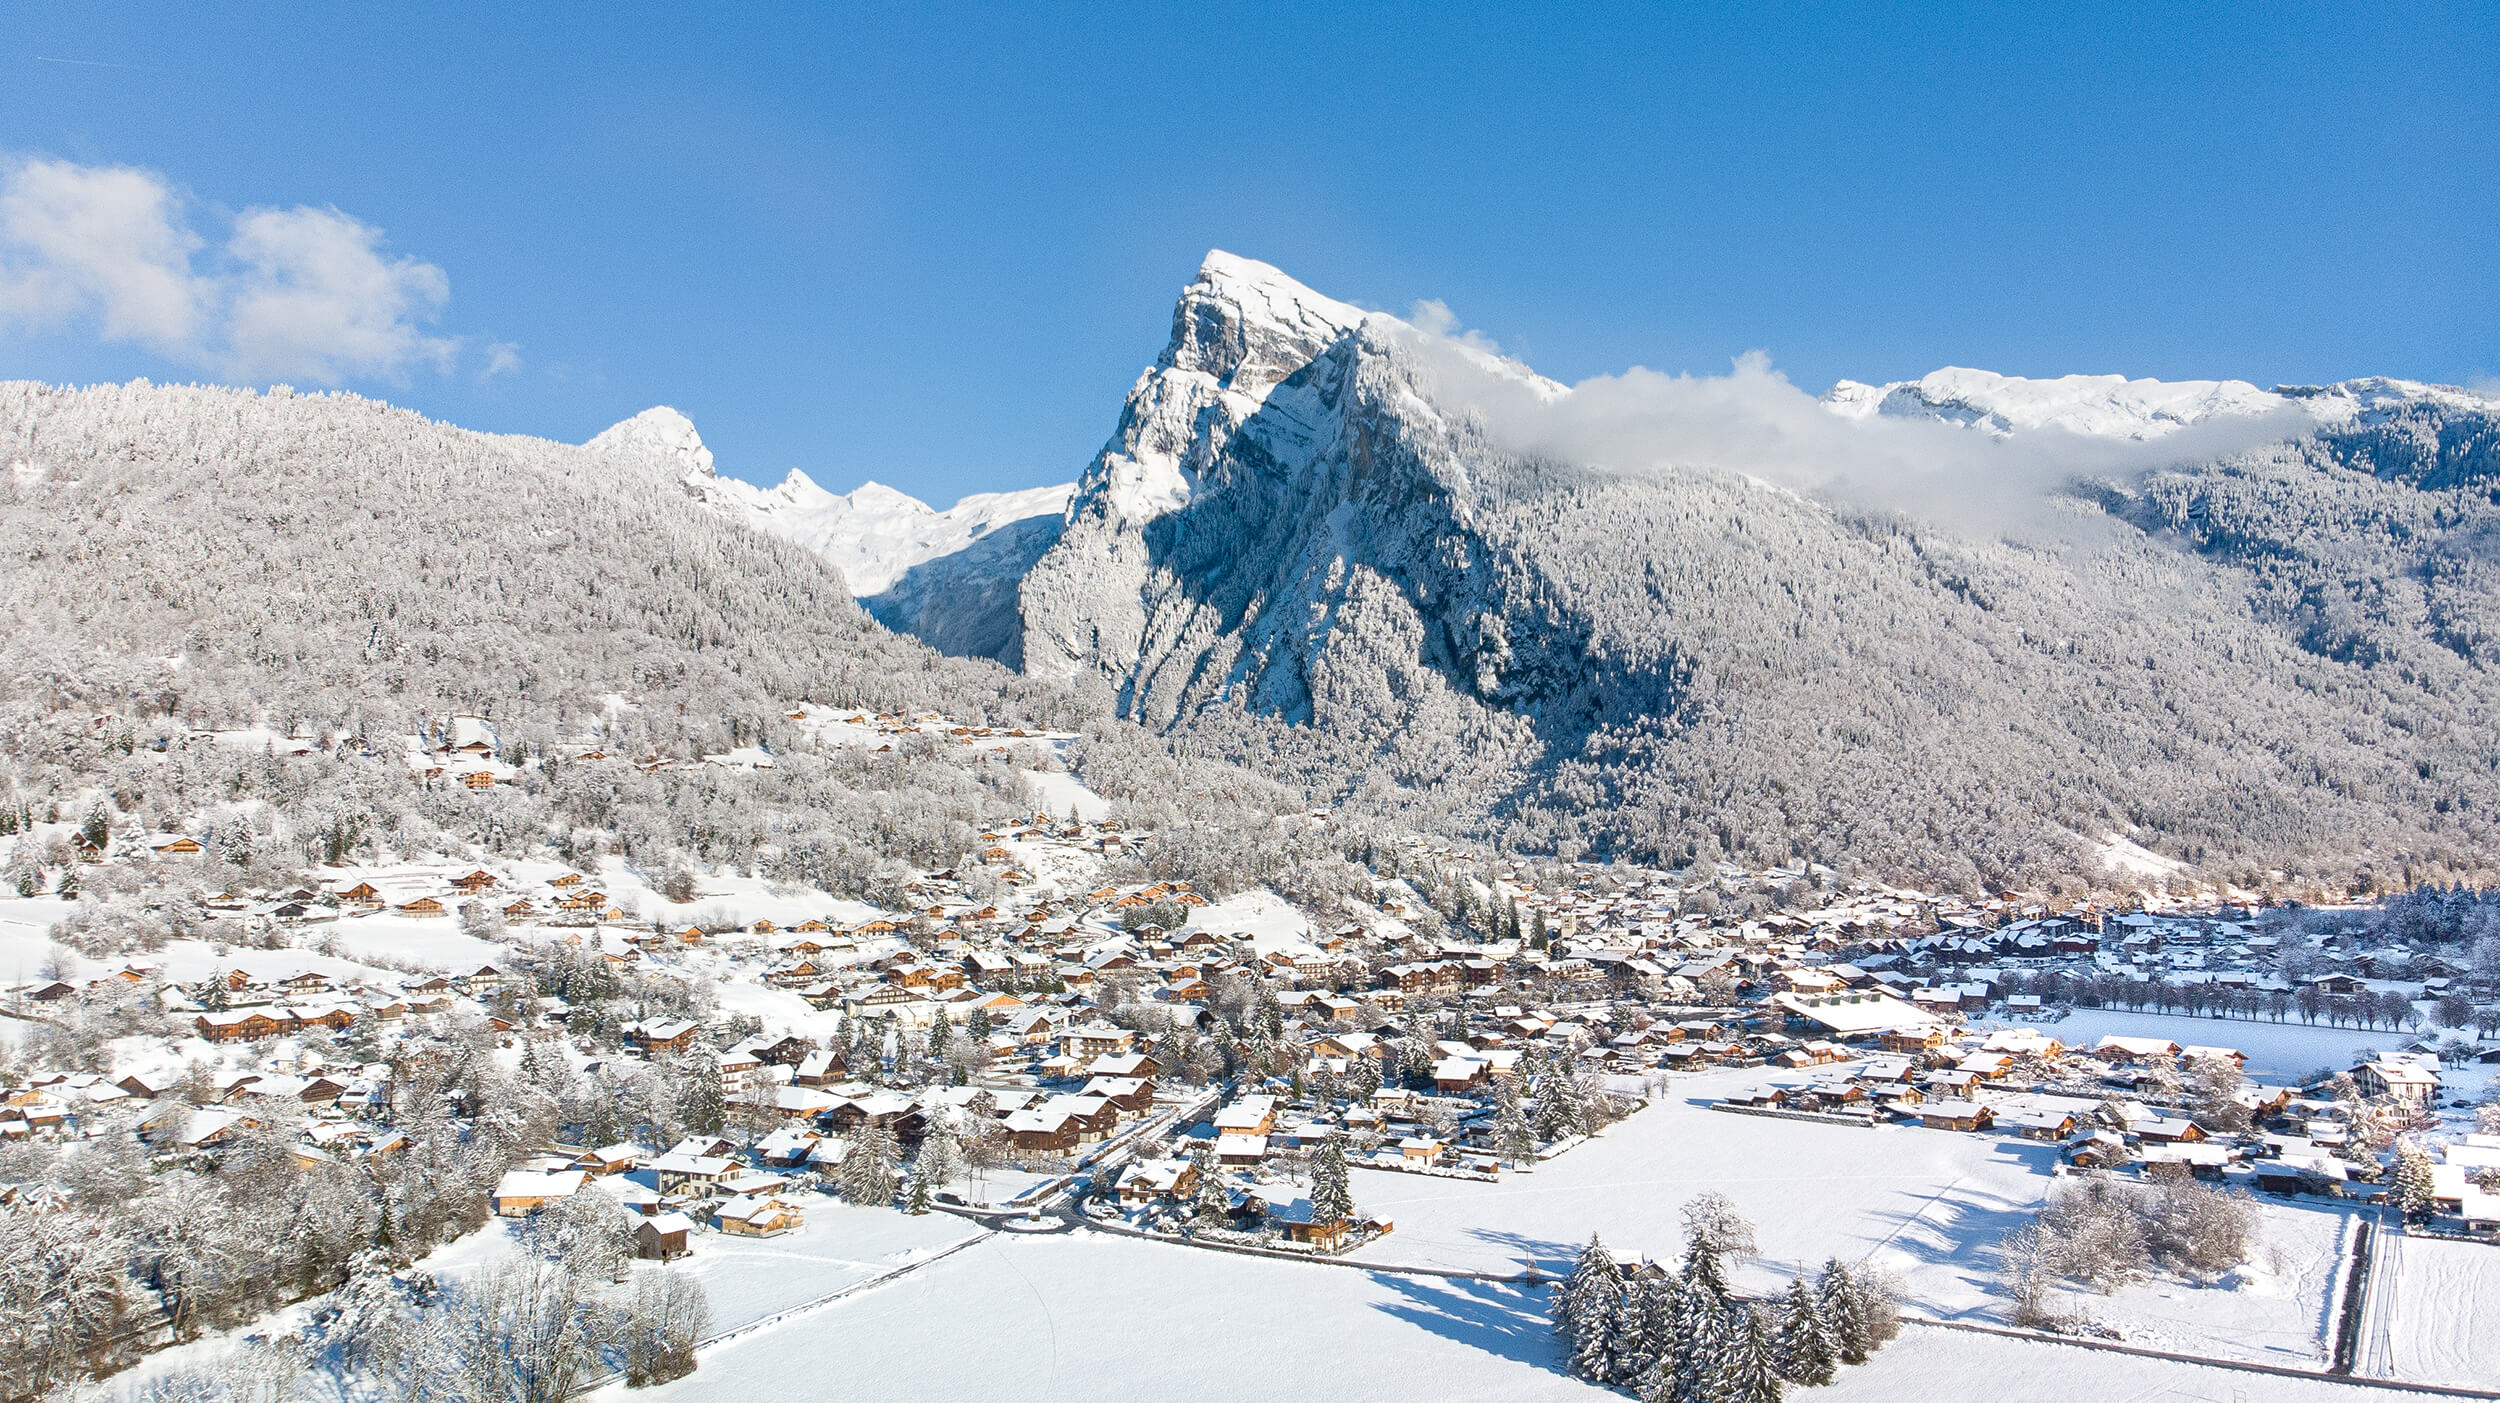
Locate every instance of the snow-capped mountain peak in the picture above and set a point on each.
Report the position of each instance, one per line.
(1240, 329)
(2102, 406)
(874, 533)
(660, 435)
(1249, 325)
(2113, 406)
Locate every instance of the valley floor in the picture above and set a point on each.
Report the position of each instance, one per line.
(1114, 1320)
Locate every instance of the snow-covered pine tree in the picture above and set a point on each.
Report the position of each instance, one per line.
(1700, 1327)
(918, 1199)
(867, 1173)
(605, 1126)
(1837, 1294)
(1584, 1307)
(1511, 1133)
(1703, 1270)
(1747, 1371)
(1629, 1352)
(703, 1109)
(1561, 1109)
(1804, 1346)
(941, 1155)
(2411, 1188)
(1332, 1198)
(1658, 1296)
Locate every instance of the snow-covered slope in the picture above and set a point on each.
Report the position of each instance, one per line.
(949, 576)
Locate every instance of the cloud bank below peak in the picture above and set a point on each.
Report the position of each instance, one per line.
(1753, 421)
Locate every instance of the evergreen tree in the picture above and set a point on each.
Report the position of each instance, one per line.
(2411, 1189)
(1627, 1352)
(941, 1155)
(1698, 1333)
(1212, 1197)
(1658, 1346)
(867, 1173)
(1836, 1293)
(1748, 1370)
(703, 1108)
(1584, 1309)
(1703, 1270)
(605, 1127)
(1511, 1132)
(1332, 1199)
(1805, 1350)
(1561, 1107)
(917, 1200)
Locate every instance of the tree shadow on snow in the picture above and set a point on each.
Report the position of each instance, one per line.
(1958, 1229)
(1498, 1318)
(1552, 1258)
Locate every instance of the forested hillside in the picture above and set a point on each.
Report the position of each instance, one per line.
(1306, 546)
(192, 560)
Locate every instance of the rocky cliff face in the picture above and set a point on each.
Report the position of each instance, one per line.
(1304, 541)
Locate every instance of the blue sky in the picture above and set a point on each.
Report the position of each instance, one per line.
(936, 247)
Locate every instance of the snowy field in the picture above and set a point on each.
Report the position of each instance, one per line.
(2276, 1052)
(2434, 1312)
(749, 1278)
(430, 943)
(2276, 1309)
(1933, 1365)
(1926, 1204)
(1110, 1320)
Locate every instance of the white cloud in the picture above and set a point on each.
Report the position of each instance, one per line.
(106, 238)
(315, 297)
(301, 294)
(1753, 421)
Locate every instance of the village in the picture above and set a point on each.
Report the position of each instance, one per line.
(1018, 1041)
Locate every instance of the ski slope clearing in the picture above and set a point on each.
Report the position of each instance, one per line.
(1925, 1204)
(1111, 1320)
(2434, 1312)
(1268, 921)
(1059, 793)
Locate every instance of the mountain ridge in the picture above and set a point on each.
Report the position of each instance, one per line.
(1308, 546)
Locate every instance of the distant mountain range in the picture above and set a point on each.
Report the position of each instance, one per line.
(2120, 626)
(950, 577)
